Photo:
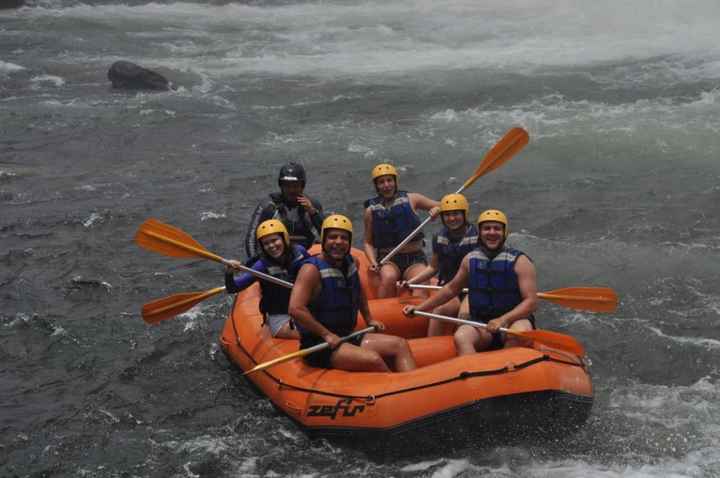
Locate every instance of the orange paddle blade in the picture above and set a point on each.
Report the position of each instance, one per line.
(596, 299)
(165, 239)
(172, 305)
(554, 340)
(513, 141)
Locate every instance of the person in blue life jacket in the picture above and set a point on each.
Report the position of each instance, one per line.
(324, 305)
(279, 259)
(502, 289)
(389, 218)
(301, 215)
(457, 238)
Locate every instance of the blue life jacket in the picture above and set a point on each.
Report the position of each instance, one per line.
(275, 298)
(393, 224)
(451, 252)
(337, 304)
(493, 284)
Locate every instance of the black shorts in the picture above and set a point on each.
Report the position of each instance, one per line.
(404, 261)
(321, 358)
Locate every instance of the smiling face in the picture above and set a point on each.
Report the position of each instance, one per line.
(453, 220)
(492, 234)
(336, 244)
(386, 185)
(273, 245)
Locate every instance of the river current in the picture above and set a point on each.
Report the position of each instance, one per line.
(619, 186)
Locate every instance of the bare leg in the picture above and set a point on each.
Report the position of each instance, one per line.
(411, 272)
(464, 312)
(521, 325)
(389, 275)
(391, 348)
(469, 340)
(439, 327)
(357, 359)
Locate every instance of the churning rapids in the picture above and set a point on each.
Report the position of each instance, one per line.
(618, 187)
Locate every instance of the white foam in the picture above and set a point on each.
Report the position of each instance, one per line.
(210, 215)
(6, 67)
(53, 80)
(93, 219)
(354, 39)
(696, 341)
(673, 407)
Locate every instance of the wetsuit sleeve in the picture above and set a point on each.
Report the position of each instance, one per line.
(318, 218)
(243, 281)
(262, 212)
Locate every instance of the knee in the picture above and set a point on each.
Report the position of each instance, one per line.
(402, 346)
(376, 363)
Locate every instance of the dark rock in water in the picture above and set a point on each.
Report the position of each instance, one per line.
(127, 75)
(5, 4)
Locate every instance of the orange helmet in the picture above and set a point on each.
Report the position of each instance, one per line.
(494, 215)
(336, 221)
(272, 226)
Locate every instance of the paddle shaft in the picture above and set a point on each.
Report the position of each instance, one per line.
(307, 351)
(502, 151)
(214, 257)
(410, 236)
(541, 295)
(454, 320)
(596, 299)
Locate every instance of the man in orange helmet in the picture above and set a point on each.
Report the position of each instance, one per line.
(325, 302)
(502, 289)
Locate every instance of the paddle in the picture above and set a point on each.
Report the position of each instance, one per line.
(165, 239)
(513, 141)
(551, 339)
(594, 299)
(172, 305)
(304, 352)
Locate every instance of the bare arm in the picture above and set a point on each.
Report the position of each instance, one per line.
(306, 285)
(365, 311)
(448, 291)
(418, 201)
(370, 250)
(425, 274)
(527, 282)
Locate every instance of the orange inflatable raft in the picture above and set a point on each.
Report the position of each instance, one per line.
(522, 388)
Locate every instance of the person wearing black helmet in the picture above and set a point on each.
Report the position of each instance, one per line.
(301, 215)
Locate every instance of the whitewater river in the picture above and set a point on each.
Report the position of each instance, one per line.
(619, 187)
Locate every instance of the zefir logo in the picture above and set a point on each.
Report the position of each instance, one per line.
(344, 404)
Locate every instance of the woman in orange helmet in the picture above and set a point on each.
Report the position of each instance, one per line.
(278, 258)
(389, 218)
(457, 239)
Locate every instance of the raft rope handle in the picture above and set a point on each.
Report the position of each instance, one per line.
(373, 398)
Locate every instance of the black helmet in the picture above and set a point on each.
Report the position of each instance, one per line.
(292, 172)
